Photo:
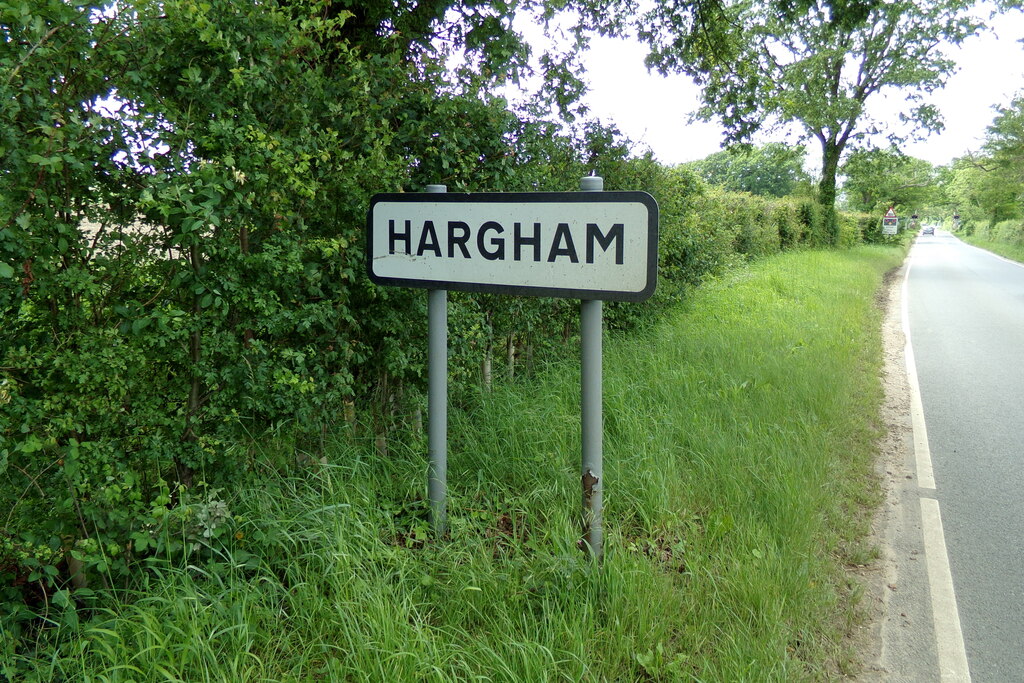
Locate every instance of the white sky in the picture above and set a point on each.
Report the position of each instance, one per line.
(654, 110)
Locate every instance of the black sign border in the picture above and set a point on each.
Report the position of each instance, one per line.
(523, 198)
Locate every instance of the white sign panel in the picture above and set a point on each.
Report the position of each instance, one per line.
(890, 223)
(583, 245)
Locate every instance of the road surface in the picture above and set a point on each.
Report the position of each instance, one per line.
(965, 313)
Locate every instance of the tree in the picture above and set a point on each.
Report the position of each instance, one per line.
(774, 169)
(877, 179)
(980, 190)
(990, 186)
(815, 64)
(1005, 138)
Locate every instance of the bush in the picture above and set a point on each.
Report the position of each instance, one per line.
(756, 234)
(1010, 232)
(809, 213)
(850, 230)
(787, 223)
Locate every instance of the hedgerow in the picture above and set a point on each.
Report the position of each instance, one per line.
(182, 267)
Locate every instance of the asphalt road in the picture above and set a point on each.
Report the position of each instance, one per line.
(966, 318)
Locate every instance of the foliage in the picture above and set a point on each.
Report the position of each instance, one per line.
(1004, 139)
(181, 245)
(1005, 238)
(851, 229)
(982, 192)
(878, 179)
(988, 188)
(1004, 145)
(1009, 232)
(815, 66)
(811, 216)
(732, 524)
(787, 221)
(182, 266)
(774, 169)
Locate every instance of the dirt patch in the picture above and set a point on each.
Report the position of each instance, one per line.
(878, 579)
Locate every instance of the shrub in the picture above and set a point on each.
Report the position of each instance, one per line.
(787, 223)
(1011, 232)
(849, 230)
(812, 222)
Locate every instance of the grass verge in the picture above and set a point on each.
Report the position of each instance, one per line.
(739, 441)
(1012, 251)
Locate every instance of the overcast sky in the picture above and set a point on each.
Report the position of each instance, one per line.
(654, 110)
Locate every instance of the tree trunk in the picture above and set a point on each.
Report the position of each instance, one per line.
(830, 152)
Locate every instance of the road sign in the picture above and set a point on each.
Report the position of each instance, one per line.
(890, 223)
(581, 245)
(591, 245)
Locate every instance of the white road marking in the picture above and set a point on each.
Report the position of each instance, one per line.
(949, 639)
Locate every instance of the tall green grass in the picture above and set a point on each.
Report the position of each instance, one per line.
(1011, 250)
(738, 450)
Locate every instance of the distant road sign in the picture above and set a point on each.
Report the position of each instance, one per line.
(581, 245)
(890, 223)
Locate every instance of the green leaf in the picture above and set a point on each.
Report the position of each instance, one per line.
(6, 270)
(140, 542)
(31, 444)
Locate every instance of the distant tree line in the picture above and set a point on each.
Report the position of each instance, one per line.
(984, 189)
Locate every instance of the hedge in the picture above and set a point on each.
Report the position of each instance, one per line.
(222, 300)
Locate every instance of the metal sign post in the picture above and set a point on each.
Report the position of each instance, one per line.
(591, 417)
(437, 400)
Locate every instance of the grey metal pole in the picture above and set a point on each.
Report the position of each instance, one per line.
(591, 477)
(437, 401)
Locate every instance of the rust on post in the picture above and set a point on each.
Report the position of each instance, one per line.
(589, 482)
(591, 541)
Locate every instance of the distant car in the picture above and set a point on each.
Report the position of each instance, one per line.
(928, 230)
